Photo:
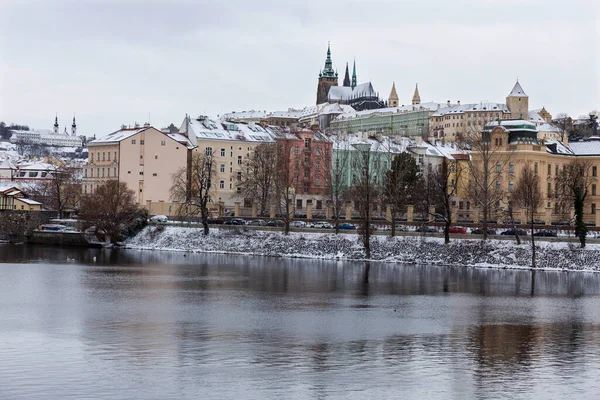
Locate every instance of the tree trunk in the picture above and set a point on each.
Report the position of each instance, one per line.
(393, 222)
(532, 244)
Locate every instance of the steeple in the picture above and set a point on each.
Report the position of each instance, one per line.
(328, 71)
(347, 77)
(56, 124)
(354, 75)
(517, 91)
(416, 98)
(518, 102)
(74, 127)
(393, 99)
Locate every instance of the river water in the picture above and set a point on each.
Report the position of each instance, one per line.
(161, 325)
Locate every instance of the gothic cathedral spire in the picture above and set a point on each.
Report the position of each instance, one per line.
(354, 75)
(74, 127)
(347, 77)
(56, 124)
(416, 98)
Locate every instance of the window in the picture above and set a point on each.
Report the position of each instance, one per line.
(594, 171)
(549, 169)
(593, 189)
(103, 172)
(239, 160)
(141, 172)
(239, 176)
(115, 156)
(85, 189)
(549, 189)
(91, 172)
(98, 172)
(299, 203)
(222, 168)
(154, 174)
(498, 167)
(317, 181)
(297, 150)
(511, 186)
(593, 208)
(163, 143)
(222, 152)
(85, 172)
(103, 156)
(318, 165)
(500, 141)
(107, 172)
(221, 184)
(305, 188)
(306, 173)
(498, 187)
(141, 142)
(511, 168)
(91, 157)
(556, 170)
(319, 204)
(108, 155)
(535, 168)
(156, 157)
(307, 143)
(318, 152)
(132, 141)
(306, 159)
(98, 156)
(208, 151)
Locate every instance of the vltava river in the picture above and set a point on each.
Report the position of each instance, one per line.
(158, 325)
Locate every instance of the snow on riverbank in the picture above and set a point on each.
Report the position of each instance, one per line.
(462, 252)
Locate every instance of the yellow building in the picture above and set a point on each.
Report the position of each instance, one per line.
(13, 198)
(142, 157)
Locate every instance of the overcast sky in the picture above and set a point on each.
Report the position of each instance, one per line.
(120, 62)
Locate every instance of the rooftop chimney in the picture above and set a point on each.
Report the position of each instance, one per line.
(458, 101)
(448, 103)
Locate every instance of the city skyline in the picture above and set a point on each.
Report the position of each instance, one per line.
(120, 65)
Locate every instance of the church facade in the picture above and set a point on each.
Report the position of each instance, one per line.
(359, 96)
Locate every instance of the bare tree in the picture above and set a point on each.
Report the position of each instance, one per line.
(487, 164)
(364, 191)
(400, 185)
(60, 190)
(286, 180)
(574, 182)
(192, 187)
(564, 124)
(112, 210)
(442, 184)
(335, 172)
(528, 196)
(260, 175)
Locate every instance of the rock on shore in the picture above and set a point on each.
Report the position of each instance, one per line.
(461, 252)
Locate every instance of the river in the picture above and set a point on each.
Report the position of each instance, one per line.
(169, 325)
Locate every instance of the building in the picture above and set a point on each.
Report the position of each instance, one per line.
(409, 121)
(456, 122)
(359, 96)
(13, 198)
(142, 157)
(26, 173)
(48, 137)
(321, 115)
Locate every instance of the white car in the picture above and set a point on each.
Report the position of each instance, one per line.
(159, 219)
(298, 224)
(322, 225)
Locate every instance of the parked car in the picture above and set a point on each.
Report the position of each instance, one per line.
(426, 229)
(216, 220)
(545, 233)
(275, 222)
(159, 219)
(511, 231)
(298, 224)
(256, 222)
(458, 229)
(347, 225)
(236, 221)
(321, 225)
(479, 231)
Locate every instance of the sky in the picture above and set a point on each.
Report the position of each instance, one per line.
(120, 62)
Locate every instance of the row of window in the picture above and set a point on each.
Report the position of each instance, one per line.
(105, 156)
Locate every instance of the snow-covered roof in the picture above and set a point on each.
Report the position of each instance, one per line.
(295, 114)
(386, 144)
(511, 124)
(37, 166)
(206, 128)
(463, 108)
(517, 91)
(557, 147)
(117, 136)
(448, 150)
(337, 93)
(590, 147)
(6, 164)
(7, 188)
(241, 115)
(325, 109)
(29, 201)
(546, 127)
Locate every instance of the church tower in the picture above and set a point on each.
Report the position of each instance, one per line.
(518, 102)
(56, 125)
(74, 128)
(416, 98)
(347, 77)
(327, 77)
(393, 99)
(354, 75)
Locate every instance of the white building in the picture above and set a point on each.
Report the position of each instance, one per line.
(49, 137)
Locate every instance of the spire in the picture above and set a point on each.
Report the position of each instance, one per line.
(328, 71)
(416, 98)
(354, 75)
(56, 124)
(393, 98)
(517, 91)
(347, 77)
(73, 127)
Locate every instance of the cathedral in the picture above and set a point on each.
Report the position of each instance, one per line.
(359, 96)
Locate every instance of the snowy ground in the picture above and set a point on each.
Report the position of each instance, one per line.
(461, 252)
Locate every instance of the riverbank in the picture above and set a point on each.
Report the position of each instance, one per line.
(417, 250)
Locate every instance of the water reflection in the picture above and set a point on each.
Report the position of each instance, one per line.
(141, 324)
